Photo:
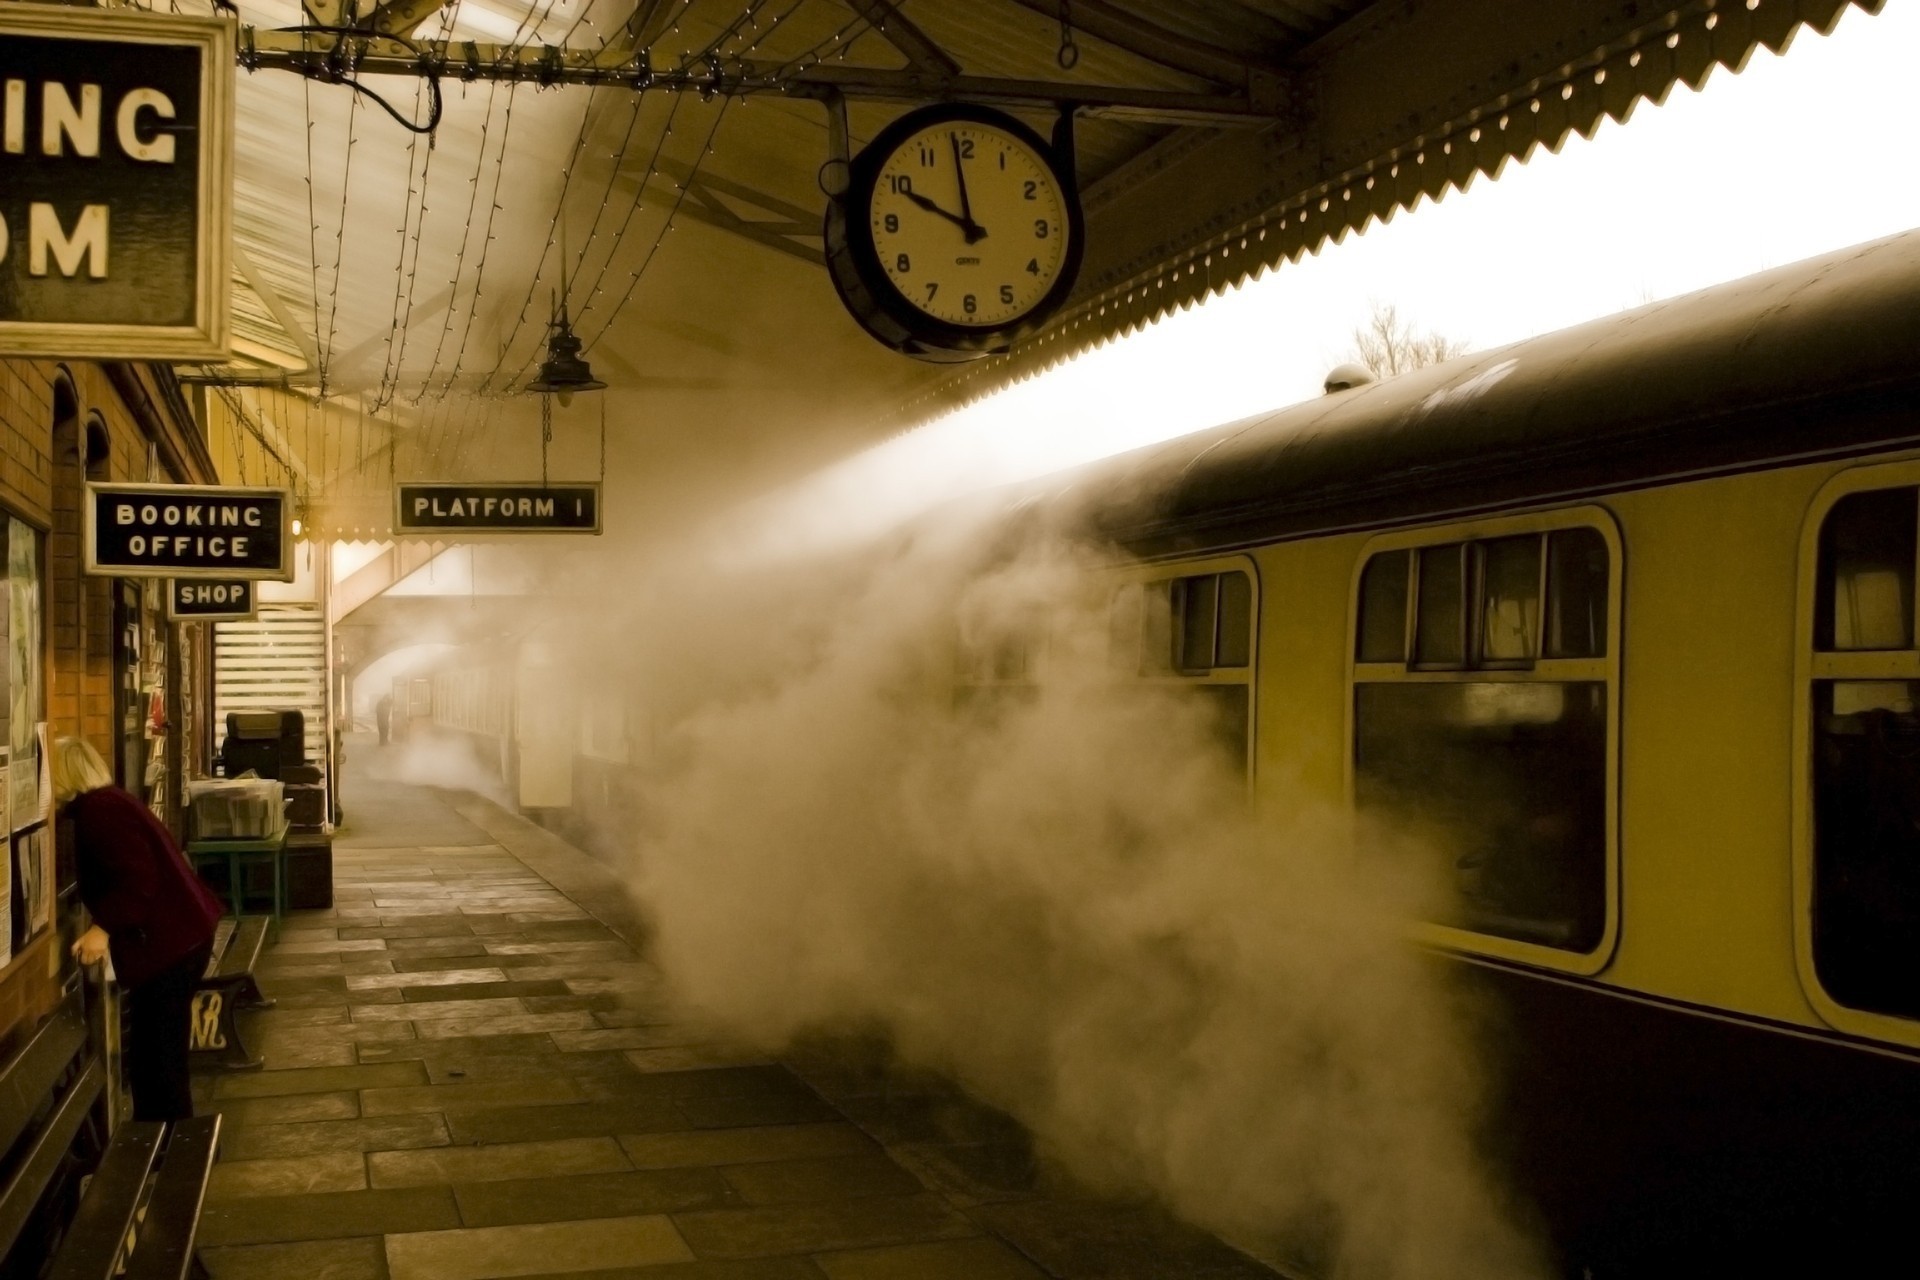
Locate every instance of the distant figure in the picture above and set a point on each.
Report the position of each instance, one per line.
(383, 716)
(150, 912)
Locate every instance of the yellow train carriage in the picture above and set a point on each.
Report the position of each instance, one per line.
(1625, 615)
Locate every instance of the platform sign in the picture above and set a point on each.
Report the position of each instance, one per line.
(213, 600)
(116, 183)
(496, 508)
(202, 532)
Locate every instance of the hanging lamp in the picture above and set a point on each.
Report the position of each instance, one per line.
(564, 371)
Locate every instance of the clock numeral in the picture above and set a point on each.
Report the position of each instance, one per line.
(932, 289)
(968, 304)
(966, 148)
(1033, 266)
(893, 222)
(899, 183)
(1003, 159)
(1006, 294)
(902, 264)
(926, 157)
(1033, 189)
(1040, 229)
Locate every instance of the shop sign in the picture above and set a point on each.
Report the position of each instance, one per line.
(213, 599)
(497, 508)
(188, 531)
(116, 183)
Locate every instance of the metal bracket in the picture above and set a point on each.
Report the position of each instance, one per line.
(836, 173)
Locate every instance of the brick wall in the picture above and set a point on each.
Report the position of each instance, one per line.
(43, 466)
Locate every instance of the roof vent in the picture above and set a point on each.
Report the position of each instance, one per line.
(1345, 377)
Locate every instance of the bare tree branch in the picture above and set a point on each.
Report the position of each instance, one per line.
(1388, 345)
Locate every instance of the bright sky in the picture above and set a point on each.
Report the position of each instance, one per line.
(1798, 154)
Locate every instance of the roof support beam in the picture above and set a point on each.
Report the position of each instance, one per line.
(1143, 39)
(920, 51)
(401, 17)
(1258, 100)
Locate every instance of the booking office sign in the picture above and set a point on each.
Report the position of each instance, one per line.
(192, 531)
(116, 183)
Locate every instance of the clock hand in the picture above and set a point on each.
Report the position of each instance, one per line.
(931, 207)
(973, 229)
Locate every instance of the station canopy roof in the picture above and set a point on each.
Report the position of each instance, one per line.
(657, 161)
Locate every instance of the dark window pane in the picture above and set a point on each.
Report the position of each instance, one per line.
(1194, 600)
(1864, 598)
(1235, 645)
(1576, 594)
(1383, 608)
(1866, 850)
(1439, 634)
(1510, 599)
(1507, 782)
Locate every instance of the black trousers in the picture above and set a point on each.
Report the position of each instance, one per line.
(158, 1013)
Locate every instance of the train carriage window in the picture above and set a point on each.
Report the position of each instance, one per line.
(1193, 633)
(1382, 628)
(1509, 599)
(1865, 744)
(1864, 600)
(1490, 741)
(1576, 594)
(1440, 626)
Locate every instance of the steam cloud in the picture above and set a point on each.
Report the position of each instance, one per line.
(1061, 897)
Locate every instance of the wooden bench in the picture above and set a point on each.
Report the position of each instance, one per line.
(136, 1216)
(141, 1210)
(227, 989)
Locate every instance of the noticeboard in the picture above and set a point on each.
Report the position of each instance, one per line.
(482, 507)
(209, 600)
(188, 531)
(116, 205)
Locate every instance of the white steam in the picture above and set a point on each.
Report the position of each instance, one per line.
(1060, 895)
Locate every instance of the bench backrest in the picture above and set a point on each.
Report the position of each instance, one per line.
(47, 1091)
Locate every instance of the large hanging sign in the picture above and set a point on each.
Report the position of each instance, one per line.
(188, 531)
(214, 600)
(116, 183)
(496, 508)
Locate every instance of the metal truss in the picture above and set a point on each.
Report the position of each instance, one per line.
(337, 47)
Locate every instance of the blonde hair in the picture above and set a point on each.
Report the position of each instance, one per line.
(77, 767)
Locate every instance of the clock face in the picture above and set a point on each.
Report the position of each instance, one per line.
(970, 224)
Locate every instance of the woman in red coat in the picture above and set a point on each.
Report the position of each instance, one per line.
(150, 911)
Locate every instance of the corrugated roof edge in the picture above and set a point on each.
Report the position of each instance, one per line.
(1679, 45)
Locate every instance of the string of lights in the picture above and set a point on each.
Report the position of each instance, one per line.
(460, 257)
(639, 198)
(339, 251)
(606, 194)
(633, 281)
(486, 242)
(553, 230)
(403, 277)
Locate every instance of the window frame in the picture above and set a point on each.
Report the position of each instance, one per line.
(1542, 670)
(1811, 667)
(1173, 678)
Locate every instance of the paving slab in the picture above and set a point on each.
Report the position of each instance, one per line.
(358, 1258)
(327, 1215)
(429, 1166)
(487, 1253)
(378, 1133)
(286, 1176)
(598, 1195)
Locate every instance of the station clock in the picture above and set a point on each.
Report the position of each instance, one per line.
(960, 232)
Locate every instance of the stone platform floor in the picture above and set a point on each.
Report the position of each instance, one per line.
(469, 1075)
